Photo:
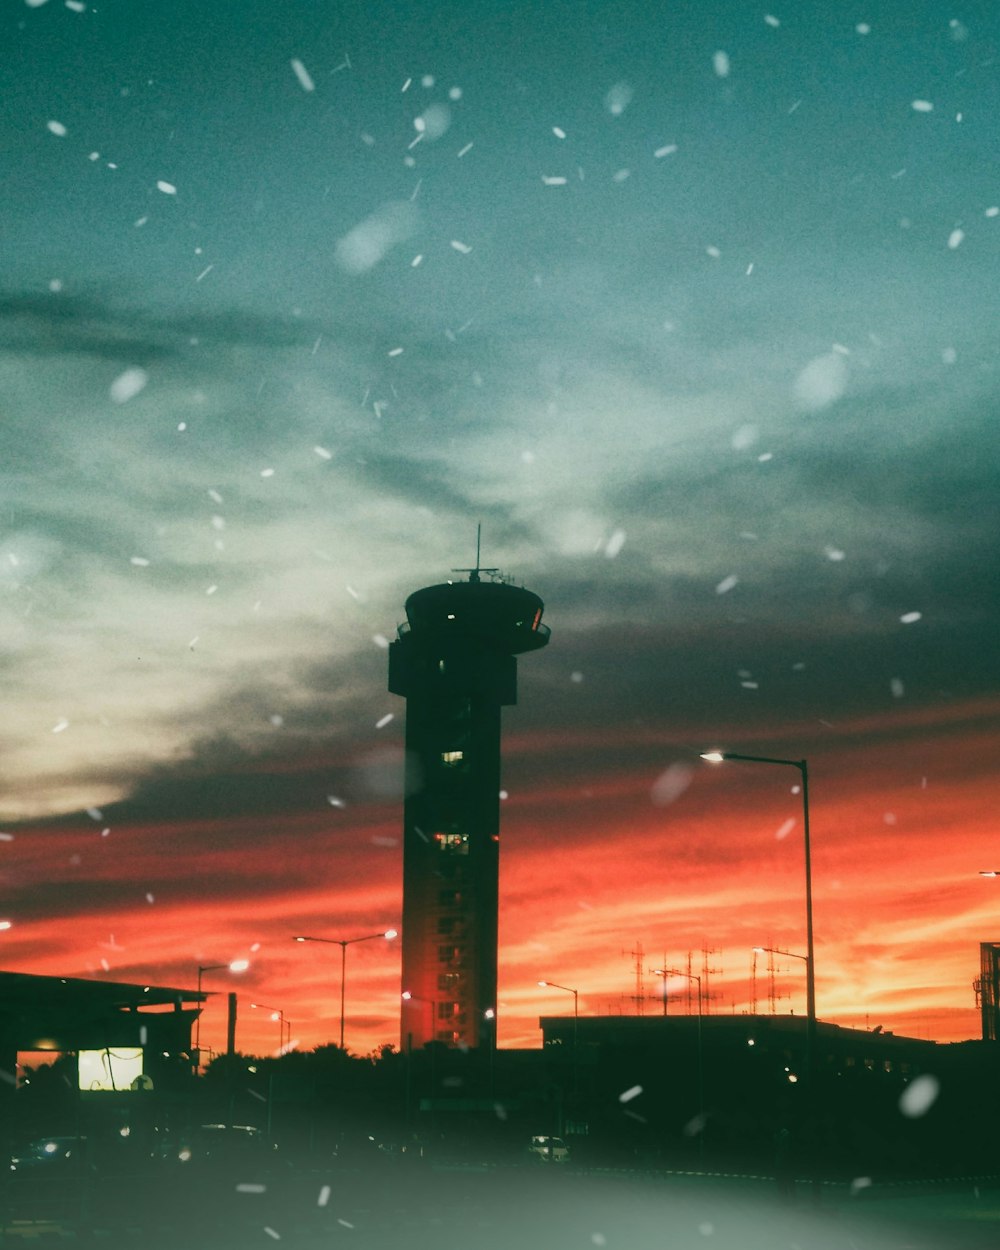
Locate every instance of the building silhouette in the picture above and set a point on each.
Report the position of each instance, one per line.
(987, 987)
(454, 663)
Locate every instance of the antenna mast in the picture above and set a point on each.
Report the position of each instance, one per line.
(474, 573)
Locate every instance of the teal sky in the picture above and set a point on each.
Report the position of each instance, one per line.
(751, 335)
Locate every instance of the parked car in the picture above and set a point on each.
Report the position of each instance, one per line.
(52, 1154)
(211, 1142)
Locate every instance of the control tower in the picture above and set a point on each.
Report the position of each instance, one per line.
(454, 663)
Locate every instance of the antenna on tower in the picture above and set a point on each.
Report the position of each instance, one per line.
(753, 983)
(640, 992)
(474, 573)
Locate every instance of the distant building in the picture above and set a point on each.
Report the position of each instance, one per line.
(454, 663)
(882, 1104)
(987, 988)
(741, 1044)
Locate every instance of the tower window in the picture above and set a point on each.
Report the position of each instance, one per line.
(452, 757)
(457, 843)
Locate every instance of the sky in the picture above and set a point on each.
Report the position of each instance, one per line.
(693, 307)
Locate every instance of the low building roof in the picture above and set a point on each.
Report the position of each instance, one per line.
(74, 1013)
(25, 990)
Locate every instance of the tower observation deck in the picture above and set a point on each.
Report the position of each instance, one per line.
(454, 663)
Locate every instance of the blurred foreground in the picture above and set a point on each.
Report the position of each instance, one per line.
(406, 1201)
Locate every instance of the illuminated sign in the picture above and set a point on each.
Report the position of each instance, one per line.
(115, 1068)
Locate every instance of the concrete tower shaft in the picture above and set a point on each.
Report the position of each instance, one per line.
(454, 663)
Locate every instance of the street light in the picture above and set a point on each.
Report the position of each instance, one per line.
(718, 757)
(344, 943)
(234, 965)
(569, 990)
(576, 1004)
(490, 1018)
(408, 996)
(776, 950)
(659, 972)
(576, 1033)
(279, 1015)
(691, 976)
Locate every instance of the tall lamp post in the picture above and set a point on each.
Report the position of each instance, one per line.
(718, 757)
(576, 1031)
(234, 965)
(490, 1016)
(279, 1015)
(691, 976)
(344, 943)
(426, 1009)
(576, 1005)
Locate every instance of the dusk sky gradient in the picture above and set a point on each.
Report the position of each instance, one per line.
(694, 307)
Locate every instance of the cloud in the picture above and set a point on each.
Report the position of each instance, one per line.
(141, 551)
(170, 587)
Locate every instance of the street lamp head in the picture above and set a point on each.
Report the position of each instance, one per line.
(234, 965)
(300, 939)
(713, 757)
(555, 985)
(390, 934)
(406, 996)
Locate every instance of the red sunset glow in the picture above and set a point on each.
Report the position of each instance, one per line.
(592, 869)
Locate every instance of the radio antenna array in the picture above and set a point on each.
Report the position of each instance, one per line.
(474, 573)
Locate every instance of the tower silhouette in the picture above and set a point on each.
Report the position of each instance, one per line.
(454, 663)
